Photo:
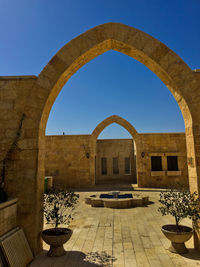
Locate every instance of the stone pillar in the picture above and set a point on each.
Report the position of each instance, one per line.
(140, 161)
(193, 161)
(193, 158)
(92, 161)
(196, 227)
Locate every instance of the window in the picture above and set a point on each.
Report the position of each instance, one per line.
(172, 163)
(156, 163)
(115, 166)
(127, 166)
(104, 166)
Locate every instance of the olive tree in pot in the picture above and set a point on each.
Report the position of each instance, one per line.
(180, 204)
(58, 209)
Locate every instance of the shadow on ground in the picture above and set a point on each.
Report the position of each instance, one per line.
(74, 258)
(192, 254)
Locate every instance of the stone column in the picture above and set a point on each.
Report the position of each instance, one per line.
(193, 161)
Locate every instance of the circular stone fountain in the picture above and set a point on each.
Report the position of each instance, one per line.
(116, 200)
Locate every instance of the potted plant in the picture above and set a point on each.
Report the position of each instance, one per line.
(180, 204)
(58, 208)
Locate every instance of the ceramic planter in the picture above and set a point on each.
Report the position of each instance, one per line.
(177, 238)
(56, 240)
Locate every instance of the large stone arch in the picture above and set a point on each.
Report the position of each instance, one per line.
(167, 65)
(37, 95)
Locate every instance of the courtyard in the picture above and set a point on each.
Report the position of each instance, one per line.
(95, 94)
(119, 237)
(26, 105)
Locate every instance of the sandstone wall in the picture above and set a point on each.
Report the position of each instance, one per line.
(163, 144)
(120, 149)
(22, 164)
(66, 160)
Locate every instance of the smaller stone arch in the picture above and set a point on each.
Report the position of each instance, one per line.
(115, 119)
(100, 127)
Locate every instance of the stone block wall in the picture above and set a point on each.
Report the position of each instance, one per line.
(163, 144)
(121, 149)
(67, 160)
(8, 216)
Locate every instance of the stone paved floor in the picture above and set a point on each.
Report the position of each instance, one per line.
(119, 237)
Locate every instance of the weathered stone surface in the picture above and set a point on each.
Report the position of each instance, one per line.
(8, 216)
(66, 160)
(131, 236)
(119, 149)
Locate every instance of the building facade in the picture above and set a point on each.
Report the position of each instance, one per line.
(156, 160)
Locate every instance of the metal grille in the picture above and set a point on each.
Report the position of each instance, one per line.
(156, 163)
(16, 249)
(127, 166)
(115, 166)
(104, 166)
(172, 163)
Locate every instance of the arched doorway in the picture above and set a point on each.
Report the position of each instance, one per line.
(175, 74)
(127, 173)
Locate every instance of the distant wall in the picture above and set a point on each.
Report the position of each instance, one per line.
(163, 144)
(68, 159)
(115, 148)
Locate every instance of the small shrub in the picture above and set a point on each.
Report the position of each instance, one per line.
(58, 206)
(180, 204)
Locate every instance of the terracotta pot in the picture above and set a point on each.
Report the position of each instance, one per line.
(56, 240)
(177, 238)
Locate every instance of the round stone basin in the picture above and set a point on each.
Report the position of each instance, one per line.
(122, 201)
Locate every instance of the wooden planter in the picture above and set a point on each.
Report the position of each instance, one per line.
(8, 215)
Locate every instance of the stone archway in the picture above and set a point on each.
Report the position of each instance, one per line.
(115, 119)
(36, 96)
(105, 123)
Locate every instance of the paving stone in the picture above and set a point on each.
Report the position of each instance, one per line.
(132, 237)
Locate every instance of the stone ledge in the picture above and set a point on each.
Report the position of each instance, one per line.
(8, 203)
(8, 215)
(158, 173)
(18, 77)
(173, 173)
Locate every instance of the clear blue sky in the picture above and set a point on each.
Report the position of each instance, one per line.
(32, 31)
